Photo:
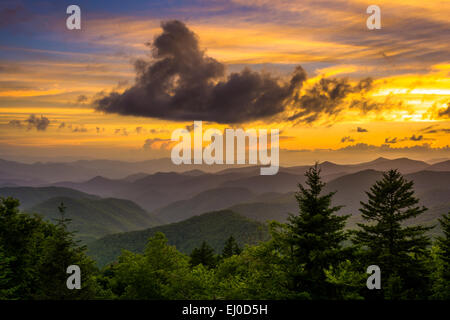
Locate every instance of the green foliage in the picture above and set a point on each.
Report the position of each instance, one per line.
(304, 258)
(231, 248)
(399, 251)
(203, 255)
(440, 260)
(152, 275)
(315, 238)
(213, 227)
(35, 254)
(94, 218)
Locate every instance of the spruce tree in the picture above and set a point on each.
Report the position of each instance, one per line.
(444, 243)
(398, 250)
(230, 248)
(203, 255)
(441, 272)
(315, 237)
(61, 251)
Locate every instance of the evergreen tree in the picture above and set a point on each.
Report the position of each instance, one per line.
(21, 238)
(441, 261)
(61, 251)
(398, 250)
(315, 237)
(444, 244)
(231, 248)
(203, 255)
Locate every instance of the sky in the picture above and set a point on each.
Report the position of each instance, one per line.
(137, 70)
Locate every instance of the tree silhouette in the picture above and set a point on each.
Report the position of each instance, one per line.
(399, 250)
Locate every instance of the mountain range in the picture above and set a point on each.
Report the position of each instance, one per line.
(109, 200)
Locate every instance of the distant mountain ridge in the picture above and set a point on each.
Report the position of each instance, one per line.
(213, 227)
(93, 218)
(39, 173)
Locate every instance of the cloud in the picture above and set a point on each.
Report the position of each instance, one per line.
(414, 138)
(13, 15)
(123, 130)
(440, 130)
(40, 124)
(445, 112)
(183, 83)
(139, 130)
(359, 129)
(158, 143)
(347, 139)
(390, 141)
(15, 124)
(326, 97)
(79, 129)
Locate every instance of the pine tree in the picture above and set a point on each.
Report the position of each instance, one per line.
(315, 237)
(398, 250)
(444, 243)
(203, 255)
(61, 251)
(441, 261)
(230, 248)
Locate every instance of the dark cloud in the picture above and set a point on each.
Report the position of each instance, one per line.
(122, 131)
(15, 124)
(441, 130)
(445, 112)
(386, 147)
(414, 138)
(182, 83)
(390, 141)
(326, 98)
(139, 130)
(82, 99)
(347, 139)
(359, 129)
(79, 129)
(11, 15)
(40, 124)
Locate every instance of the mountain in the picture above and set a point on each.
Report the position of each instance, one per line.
(30, 196)
(440, 166)
(272, 208)
(281, 182)
(82, 170)
(432, 189)
(213, 227)
(93, 218)
(404, 165)
(98, 185)
(210, 200)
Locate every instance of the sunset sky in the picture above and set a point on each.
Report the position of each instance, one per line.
(59, 87)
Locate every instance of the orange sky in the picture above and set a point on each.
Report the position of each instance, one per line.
(407, 58)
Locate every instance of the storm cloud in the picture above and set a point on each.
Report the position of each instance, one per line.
(183, 83)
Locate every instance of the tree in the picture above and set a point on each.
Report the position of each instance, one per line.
(21, 237)
(441, 261)
(398, 250)
(315, 237)
(203, 255)
(230, 248)
(152, 275)
(444, 243)
(34, 255)
(60, 251)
